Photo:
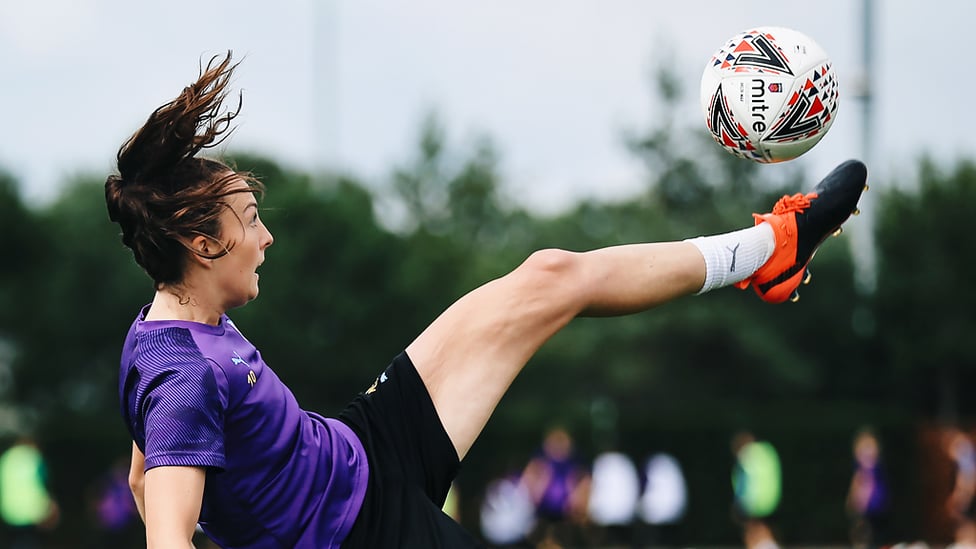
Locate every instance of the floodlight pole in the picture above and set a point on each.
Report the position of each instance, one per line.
(862, 240)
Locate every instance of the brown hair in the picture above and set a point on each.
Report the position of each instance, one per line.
(164, 194)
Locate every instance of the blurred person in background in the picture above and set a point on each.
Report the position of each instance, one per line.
(557, 482)
(961, 503)
(867, 496)
(26, 505)
(114, 509)
(507, 513)
(756, 488)
(612, 505)
(219, 440)
(664, 497)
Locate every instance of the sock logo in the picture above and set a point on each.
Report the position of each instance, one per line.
(734, 251)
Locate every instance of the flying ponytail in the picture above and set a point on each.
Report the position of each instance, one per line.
(163, 194)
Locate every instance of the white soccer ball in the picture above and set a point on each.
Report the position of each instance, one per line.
(769, 94)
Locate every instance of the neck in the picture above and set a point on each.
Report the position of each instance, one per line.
(173, 304)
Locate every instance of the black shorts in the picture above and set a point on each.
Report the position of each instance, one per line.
(412, 463)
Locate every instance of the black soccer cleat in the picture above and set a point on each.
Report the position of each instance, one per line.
(800, 224)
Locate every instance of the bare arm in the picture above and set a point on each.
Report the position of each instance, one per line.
(173, 497)
(137, 480)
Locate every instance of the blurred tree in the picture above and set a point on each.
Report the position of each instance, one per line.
(924, 299)
(326, 282)
(20, 265)
(19, 227)
(74, 292)
(69, 344)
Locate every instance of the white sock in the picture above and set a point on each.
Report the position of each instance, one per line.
(733, 257)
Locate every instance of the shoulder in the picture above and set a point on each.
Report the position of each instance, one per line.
(171, 362)
(166, 351)
(219, 347)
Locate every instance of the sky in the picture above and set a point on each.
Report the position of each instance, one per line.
(345, 84)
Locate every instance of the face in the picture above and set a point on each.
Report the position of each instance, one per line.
(235, 273)
(866, 450)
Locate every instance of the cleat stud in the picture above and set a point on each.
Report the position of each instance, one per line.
(838, 231)
(807, 277)
(857, 211)
(795, 297)
(867, 187)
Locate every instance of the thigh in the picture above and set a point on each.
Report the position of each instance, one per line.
(470, 354)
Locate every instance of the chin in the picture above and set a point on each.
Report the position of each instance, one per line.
(245, 300)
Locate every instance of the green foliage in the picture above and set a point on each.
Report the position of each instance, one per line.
(19, 228)
(924, 300)
(82, 289)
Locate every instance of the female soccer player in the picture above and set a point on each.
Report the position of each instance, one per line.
(220, 441)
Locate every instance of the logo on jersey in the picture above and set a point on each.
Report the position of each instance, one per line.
(252, 378)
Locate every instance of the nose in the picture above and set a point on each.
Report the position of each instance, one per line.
(268, 237)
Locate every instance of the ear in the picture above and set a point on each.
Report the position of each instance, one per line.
(203, 247)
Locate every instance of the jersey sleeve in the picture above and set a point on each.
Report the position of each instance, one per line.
(183, 414)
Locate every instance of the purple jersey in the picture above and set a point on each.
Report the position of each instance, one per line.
(277, 476)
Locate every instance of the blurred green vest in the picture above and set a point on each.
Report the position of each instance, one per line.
(24, 500)
(756, 480)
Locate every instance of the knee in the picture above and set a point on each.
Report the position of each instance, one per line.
(551, 261)
(550, 270)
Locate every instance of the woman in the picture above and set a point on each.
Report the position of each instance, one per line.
(219, 440)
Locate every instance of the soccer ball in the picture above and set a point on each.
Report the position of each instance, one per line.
(769, 94)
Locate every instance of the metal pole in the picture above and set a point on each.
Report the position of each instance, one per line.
(862, 239)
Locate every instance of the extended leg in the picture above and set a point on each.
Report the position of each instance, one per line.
(469, 356)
